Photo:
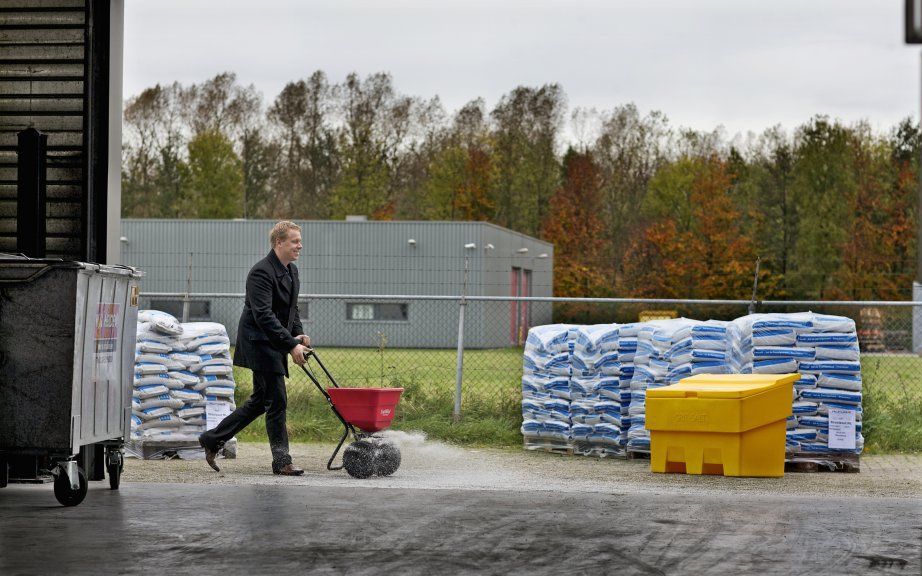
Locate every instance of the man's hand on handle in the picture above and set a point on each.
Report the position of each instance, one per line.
(305, 340)
(298, 353)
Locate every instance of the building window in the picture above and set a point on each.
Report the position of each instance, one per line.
(389, 312)
(199, 310)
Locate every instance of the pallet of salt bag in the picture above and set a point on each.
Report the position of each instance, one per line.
(178, 347)
(823, 349)
(766, 343)
(546, 409)
(207, 348)
(158, 321)
(627, 354)
(700, 348)
(546, 394)
(596, 390)
(836, 371)
(651, 370)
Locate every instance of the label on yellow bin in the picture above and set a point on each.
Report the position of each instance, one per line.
(730, 424)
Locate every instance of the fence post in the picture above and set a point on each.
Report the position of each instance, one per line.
(459, 373)
(187, 298)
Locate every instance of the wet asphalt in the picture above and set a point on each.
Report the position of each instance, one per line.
(203, 529)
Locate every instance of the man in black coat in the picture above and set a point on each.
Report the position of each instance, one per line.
(270, 330)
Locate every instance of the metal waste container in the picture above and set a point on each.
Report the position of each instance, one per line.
(67, 345)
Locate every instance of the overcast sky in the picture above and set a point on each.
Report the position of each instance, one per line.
(742, 64)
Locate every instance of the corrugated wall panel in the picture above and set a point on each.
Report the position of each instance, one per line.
(42, 76)
(346, 258)
(338, 257)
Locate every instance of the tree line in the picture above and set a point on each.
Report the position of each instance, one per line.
(633, 205)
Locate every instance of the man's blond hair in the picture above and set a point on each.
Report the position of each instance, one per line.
(279, 232)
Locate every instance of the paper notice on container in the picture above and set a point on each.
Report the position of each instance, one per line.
(106, 341)
(841, 429)
(215, 412)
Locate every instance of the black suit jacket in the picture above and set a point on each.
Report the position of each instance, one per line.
(271, 319)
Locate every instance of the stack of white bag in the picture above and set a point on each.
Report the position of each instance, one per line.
(824, 350)
(651, 370)
(627, 355)
(587, 384)
(546, 386)
(701, 348)
(595, 390)
(179, 370)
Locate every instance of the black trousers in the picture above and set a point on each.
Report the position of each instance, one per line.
(270, 397)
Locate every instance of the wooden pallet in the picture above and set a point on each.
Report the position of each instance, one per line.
(799, 462)
(551, 448)
(149, 450)
(598, 450)
(803, 462)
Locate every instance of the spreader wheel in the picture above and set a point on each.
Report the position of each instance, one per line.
(387, 459)
(359, 459)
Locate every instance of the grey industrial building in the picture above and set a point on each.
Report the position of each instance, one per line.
(212, 257)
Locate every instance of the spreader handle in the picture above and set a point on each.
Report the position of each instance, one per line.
(347, 428)
(312, 352)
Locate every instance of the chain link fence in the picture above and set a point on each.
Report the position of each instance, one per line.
(474, 374)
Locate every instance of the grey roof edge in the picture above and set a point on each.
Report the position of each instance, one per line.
(365, 222)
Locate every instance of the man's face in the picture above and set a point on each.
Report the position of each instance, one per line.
(290, 248)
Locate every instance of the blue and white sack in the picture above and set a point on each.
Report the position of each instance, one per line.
(160, 322)
(840, 381)
(827, 395)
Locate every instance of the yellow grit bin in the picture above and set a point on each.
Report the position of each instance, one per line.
(730, 424)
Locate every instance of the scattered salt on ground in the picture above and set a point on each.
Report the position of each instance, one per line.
(417, 444)
(429, 464)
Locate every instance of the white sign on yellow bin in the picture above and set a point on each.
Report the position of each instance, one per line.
(841, 429)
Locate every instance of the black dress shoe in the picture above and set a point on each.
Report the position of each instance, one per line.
(210, 455)
(289, 470)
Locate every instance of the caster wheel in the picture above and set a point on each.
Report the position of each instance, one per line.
(387, 459)
(65, 494)
(114, 466)
(358, 459)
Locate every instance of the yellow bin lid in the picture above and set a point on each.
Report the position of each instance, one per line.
(725, 386)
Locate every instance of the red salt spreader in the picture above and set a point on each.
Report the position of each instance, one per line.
(363, 412)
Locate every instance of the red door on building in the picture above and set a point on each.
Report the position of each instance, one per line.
(524, 307)
(514, 308)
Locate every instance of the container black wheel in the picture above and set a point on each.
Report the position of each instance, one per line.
(387, 459)
(114, 466)
(359, 459)
(67, 495)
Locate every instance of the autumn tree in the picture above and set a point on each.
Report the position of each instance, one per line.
(462, 171)
(695, 245)
(641, 208)
(213, 179)
(526, 131)
(574, 226)
(302, 117)
(824, 190)
(768, 207)
(628, 149)
(156, 132)
(876, 258)
(368, 110)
